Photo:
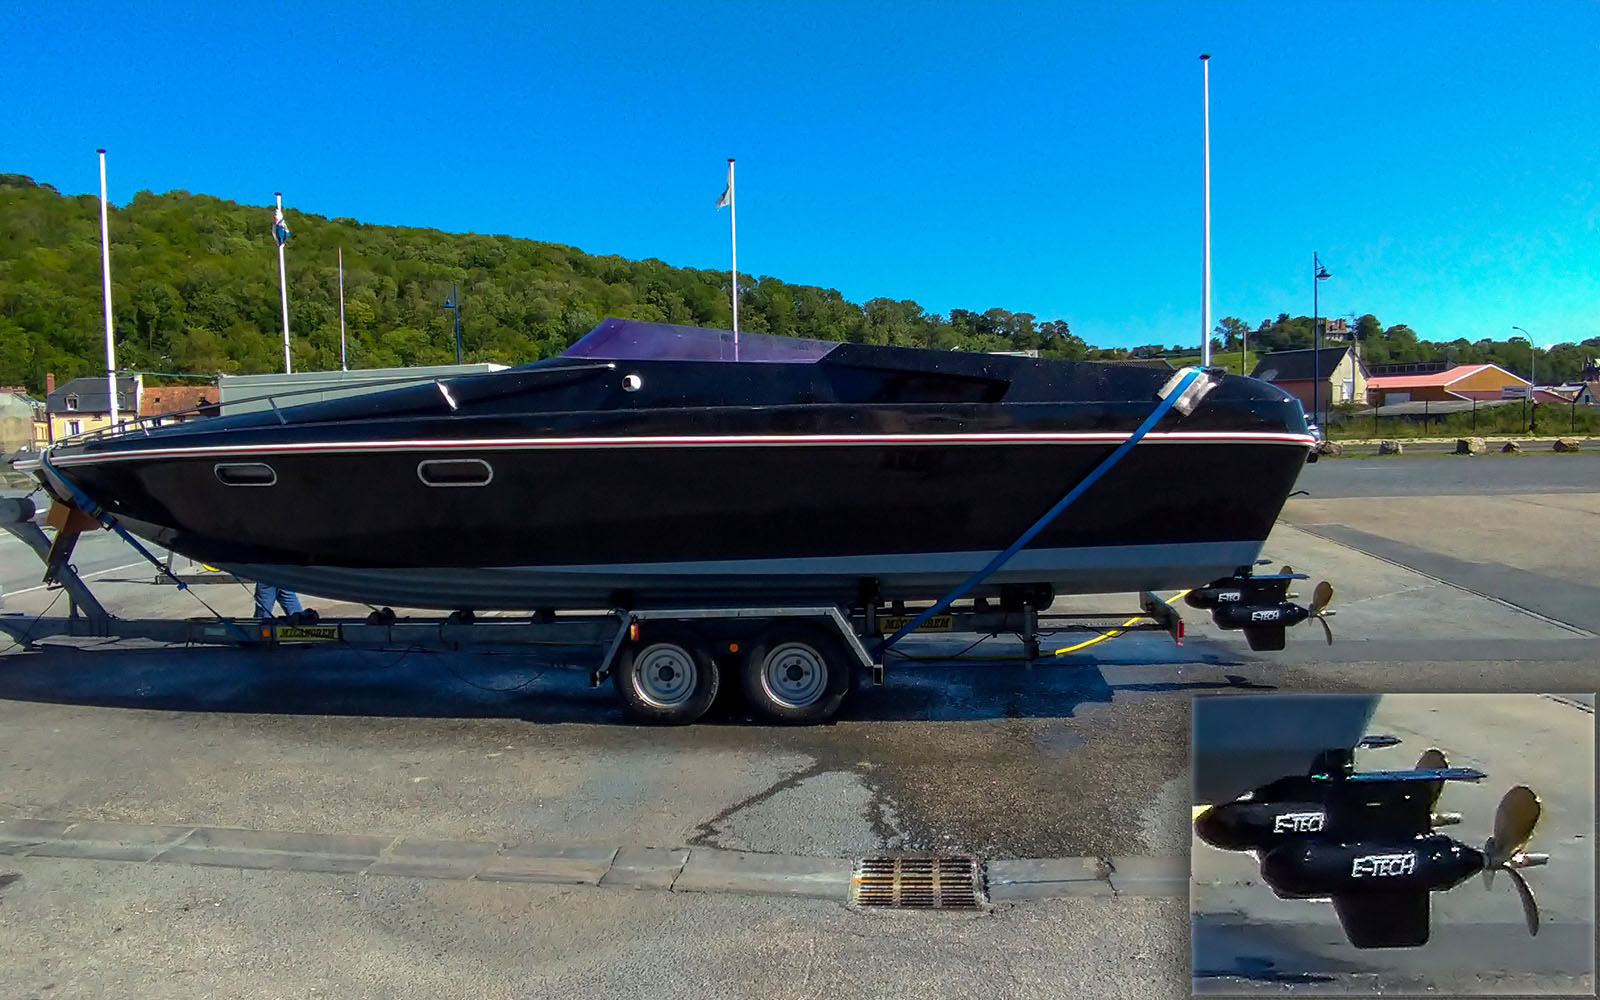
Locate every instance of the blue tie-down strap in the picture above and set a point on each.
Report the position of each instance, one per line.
(1175, 393)
(94, 510)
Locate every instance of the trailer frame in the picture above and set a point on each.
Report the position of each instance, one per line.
(610, 631)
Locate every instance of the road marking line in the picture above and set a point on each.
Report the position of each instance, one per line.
(84, 576)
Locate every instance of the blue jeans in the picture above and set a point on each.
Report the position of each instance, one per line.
(267, 596)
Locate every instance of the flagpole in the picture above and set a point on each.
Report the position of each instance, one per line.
(1205, 254)
(733, 239)
(105, 270)
(283, 288)
(342, 366)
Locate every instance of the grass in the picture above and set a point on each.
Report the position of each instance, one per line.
(1219, 359)
(1498, 421)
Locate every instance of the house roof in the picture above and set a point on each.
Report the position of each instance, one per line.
(1296, 366)
(1437, 407)
(93, 396)
(160, 399)
(1438, 379)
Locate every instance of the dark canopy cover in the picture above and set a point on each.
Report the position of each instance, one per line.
(637, 340)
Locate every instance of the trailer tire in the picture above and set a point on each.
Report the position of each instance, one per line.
(795, 674)
(666, 677)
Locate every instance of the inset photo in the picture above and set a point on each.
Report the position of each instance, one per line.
(1426, 844)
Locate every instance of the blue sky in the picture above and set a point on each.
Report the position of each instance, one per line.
(1443, 158)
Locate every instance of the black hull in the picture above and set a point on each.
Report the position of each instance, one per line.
(566, 528)
(695, 497)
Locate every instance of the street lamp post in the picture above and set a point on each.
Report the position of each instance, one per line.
(1318, 274)
(453, 303)
(1533, 379)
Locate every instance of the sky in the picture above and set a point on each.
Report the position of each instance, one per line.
(1442, 158)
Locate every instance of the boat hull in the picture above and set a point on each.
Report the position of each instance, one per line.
(756, 582)
(718, 521)
(643, 467)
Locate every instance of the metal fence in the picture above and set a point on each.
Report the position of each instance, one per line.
(1442, 418)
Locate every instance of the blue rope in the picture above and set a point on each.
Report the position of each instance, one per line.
(1027, 536)
(94, 510)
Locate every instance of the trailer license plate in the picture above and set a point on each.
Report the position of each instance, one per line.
(893, 623)
(308, 633)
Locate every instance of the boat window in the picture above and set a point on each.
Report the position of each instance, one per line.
(455, 472)
(245, 474)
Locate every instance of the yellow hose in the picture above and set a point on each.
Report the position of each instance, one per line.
(1060, 652)
(1114, 632)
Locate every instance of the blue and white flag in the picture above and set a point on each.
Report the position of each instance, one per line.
(727, 194)
(280, 229)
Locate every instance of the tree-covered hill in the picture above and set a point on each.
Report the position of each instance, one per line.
(1399, 344)
(195, 290)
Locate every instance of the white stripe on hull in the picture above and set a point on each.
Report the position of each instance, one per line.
(719, 441)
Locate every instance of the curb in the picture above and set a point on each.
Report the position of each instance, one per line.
(685, 870)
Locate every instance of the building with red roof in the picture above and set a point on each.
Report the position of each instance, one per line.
(1485, 381)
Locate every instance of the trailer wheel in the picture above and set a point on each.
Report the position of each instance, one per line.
(795, 674)
(666, 678)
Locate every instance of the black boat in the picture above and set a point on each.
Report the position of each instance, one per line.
(659, 466)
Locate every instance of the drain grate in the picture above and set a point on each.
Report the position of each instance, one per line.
(919, 883)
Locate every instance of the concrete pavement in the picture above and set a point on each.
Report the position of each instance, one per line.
(1041, 772)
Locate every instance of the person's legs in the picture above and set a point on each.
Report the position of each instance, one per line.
(290, 601)
(265, 597)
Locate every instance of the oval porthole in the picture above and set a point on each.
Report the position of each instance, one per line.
(455, 472)
(245, 474)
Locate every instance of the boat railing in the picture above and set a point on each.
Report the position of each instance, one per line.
(143, 425)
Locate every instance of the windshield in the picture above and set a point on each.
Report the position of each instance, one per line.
(636, 340)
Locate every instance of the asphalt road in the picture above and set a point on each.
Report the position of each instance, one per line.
(1452, 475)
(1526, 547)
(1085, 758)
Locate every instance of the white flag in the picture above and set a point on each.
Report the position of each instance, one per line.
(727, 193)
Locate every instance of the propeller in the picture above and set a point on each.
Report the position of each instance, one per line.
(1514, 822)
(1320, 599)
(1433, 759)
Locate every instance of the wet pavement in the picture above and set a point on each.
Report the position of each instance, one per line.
(1086, 756)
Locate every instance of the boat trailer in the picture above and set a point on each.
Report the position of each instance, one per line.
(794, 664)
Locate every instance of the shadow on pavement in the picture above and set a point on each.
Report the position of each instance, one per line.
(324, 681)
